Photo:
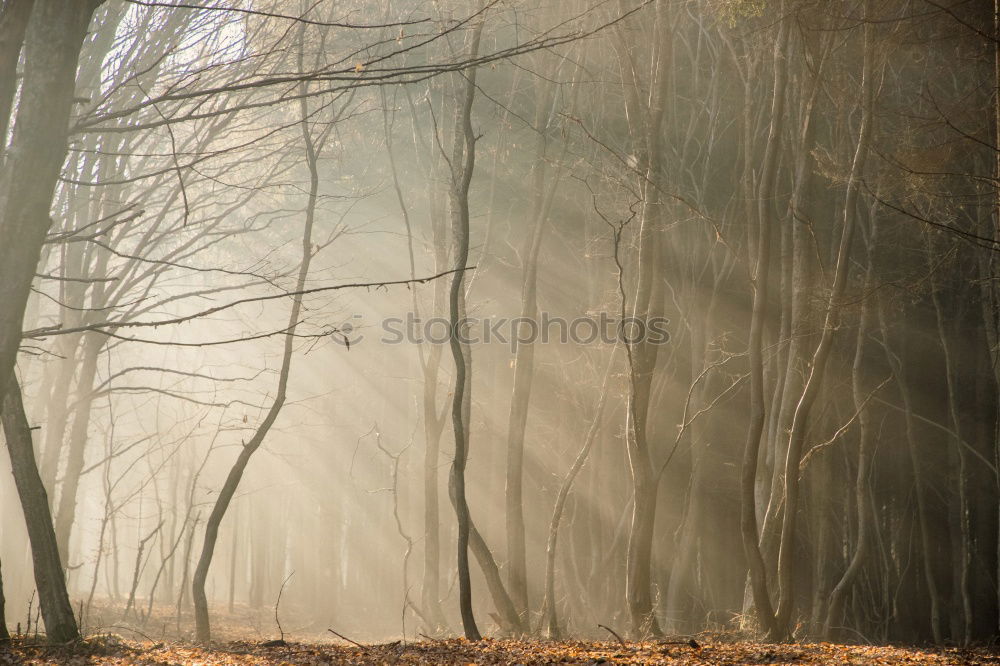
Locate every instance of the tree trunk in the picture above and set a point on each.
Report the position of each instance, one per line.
(463, 165)
(430, 367)
(959, 514)
(509, 619)
(14, 15)
(927, 539)
(550, 618)
(817, 371)
(57, 409)
(862, 492)
(54, 38)
(646, 303)
(797, 218)
(60, 624)
(760, 283)
(524, 356)
(4, 634)
(66, 512)
(991, 328)
(202, 625)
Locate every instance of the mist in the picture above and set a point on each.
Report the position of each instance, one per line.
(510, 319)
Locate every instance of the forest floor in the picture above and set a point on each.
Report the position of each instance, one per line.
(241, 638)
(112, 649)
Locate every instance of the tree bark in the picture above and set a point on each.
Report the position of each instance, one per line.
(817, 371)
(647, 303)
(550, 616)
(862, 491)
(60, 624)
(962, 546)
(66, 512)
(14, 15)
(920, 490)
(463, 164)
(801, 287)
(760, 282)
(510, 620)
(28, 177)
(4, 634)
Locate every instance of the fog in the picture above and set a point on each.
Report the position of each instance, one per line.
(502, 318)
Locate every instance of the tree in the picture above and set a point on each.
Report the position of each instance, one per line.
(4, 634)
(821, 354)
(760, 279)
(60, 623)
(313, 148)
(463, 164)
(53, 39)
(646, 301)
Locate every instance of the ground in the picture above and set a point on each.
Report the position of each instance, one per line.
(112, 649)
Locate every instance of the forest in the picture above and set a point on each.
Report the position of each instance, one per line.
(500, 325)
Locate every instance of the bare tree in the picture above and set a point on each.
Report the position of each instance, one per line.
(313, 148)
(822, 352)
(462, 163)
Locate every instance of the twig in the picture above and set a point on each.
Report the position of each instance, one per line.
(277, 603)
(346, 639)
(613, 633)
(107, 326)
(133, 630)
(840, 431)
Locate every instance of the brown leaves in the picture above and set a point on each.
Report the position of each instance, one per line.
(458, 651)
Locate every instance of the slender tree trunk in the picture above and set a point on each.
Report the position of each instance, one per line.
(463, 165)
(507, 615)
(960, 514)
(115, 573)
(927, 538)
(57, 410)
(202, 625)
(550, 617)
(167, 560)
(862, 491)
(66, 512)
(185, 569)
(430, 598)
(801, 286)
(60, 624)
(430, 366)
(524, 356)
(641, 365)
(72, 303)
(760, 281)
(786, 557)
(234, 547)
(524, 368)
(130, 604)
(647, 303)
(98, 560)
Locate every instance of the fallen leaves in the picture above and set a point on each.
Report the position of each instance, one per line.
(458, 651)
